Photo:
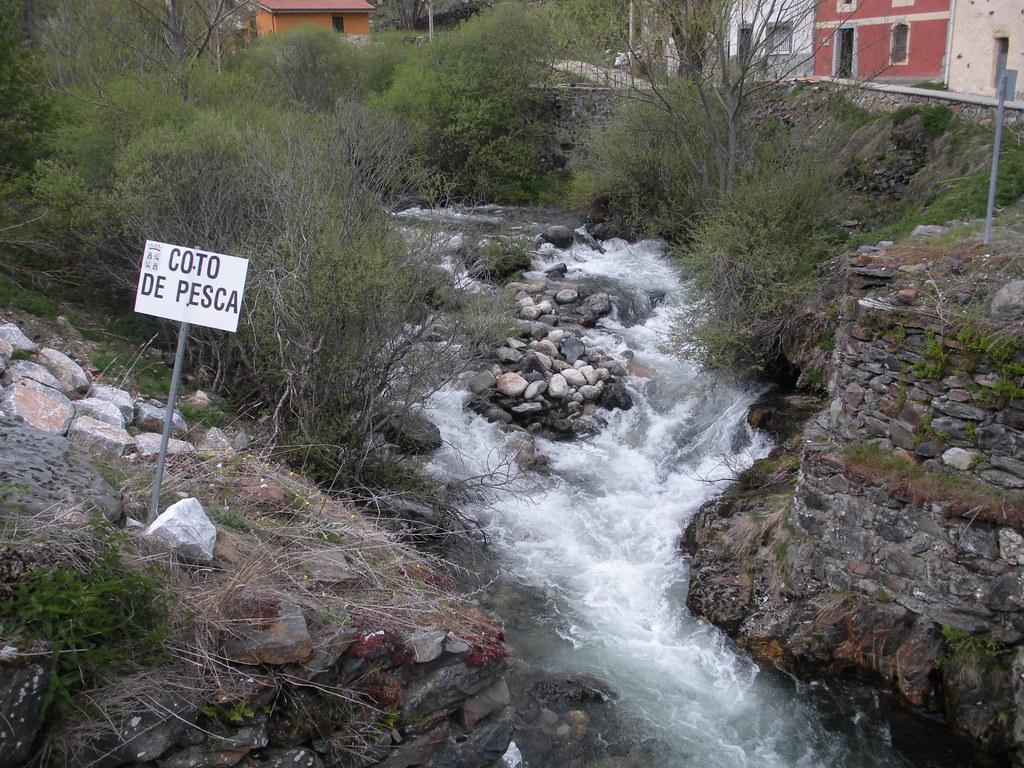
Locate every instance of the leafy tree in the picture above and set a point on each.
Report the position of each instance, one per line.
(473, 101)
(25, 111)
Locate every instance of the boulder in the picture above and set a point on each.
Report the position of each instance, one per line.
(41, 407)
(959, 458)
(100, 438)
(556, 271)
(566, 296)
(928, 230)
(594, 307)
(413, 432)
(282, 639)
(590, 392)
(215, 441)
(136, 738)
(589, 374)
(101, 410)
(13, 335)
(184, 529)
(558, 236)
(1008, 302)
(448, 685)
(125, 402)
(508, 356)
(615, 395)
(558, 387)
(72, 378)
(25, 371)
(512, 384)
(535, 362)
(24, 681)
(150, 415)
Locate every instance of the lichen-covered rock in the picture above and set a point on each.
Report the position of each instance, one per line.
(137, 738)
(24, 681)
(41, 407)
(184, 528)
(72, 378)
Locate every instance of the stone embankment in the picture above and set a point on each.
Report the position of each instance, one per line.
(305, 636)
(885, 540)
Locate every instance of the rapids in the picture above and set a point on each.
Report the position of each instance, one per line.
(596, 537)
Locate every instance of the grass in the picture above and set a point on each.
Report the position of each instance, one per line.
(958, 495)
(16, 296)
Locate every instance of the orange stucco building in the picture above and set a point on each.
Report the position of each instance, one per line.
(350, 17)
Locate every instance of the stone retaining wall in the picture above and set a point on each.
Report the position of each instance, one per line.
(973, 109)
(572, 110)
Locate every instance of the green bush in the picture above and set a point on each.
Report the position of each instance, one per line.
(97, 621)
(502, 259)
(472, 101)
(753, 260)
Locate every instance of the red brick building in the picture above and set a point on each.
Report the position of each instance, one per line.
(902, 41)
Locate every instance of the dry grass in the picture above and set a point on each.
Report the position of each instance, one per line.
(958, 496)
(273, 528)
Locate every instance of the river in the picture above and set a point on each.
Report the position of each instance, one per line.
(584, 567)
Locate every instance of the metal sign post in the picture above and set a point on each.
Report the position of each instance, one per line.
(194, 287)
(1006, 87)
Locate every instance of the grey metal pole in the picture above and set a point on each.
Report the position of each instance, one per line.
(990, 211)
(179, 356)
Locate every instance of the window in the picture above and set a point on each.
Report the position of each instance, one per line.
(339, 23)
(900, 38)
(780, 39)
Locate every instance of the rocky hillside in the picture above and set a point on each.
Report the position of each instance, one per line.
(882, 539)
(255, 622)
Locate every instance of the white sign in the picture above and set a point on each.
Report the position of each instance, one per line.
(191, 286)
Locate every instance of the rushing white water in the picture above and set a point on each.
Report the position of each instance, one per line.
(599, 535)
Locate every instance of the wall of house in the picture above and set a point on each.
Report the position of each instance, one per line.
(873, 22)
(356, 23)
(761, 18)
(976, 25)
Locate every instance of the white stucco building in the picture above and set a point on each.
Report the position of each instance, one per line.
(777, 33)
(986, 37)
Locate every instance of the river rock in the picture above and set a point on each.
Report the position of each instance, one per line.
(573, 349)
(150, 415)
(1008, 302)
(558, 236)
(70, 374)
(100, 438)
(496, 414)
(25, 371)
(184, 528)
(41, 407)
(590, 392)
(525, 408)
(148, 445)
(535, 362)
(413, 432)
(589, 374)
(558, 387)
(529, 312)
(546, 347)
(566, 296)
(124, 401)
(512, 384)
(535, 390)
(101, 410)
(557, 336)
(573, 377)
(13, 335)
(24, 681)
(545, 308)
(556, 271)
(282, 639)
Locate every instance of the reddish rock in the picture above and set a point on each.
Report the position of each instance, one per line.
(41, 407)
